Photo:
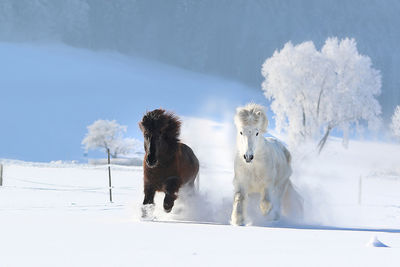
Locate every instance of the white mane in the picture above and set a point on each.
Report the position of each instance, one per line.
(252, 115)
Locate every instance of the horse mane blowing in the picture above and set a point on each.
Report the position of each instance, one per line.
(161, 120)
(252, 114)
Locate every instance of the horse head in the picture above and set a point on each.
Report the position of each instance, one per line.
(251, 123)
(161, 132)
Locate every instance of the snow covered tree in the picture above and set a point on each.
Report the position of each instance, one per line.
(314, 92)
(108, 135)
(357, 84)
(124, 146)
(395, 124)
(294, 78)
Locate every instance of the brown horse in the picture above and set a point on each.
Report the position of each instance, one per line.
(168, 164)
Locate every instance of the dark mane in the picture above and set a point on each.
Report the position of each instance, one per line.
(160, 120)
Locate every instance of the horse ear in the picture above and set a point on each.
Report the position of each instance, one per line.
(264, 120)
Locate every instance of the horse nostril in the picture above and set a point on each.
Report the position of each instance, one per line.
(244, 156)
(251, 157)
(151, 160)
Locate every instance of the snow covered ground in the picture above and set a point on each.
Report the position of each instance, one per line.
(58, 214)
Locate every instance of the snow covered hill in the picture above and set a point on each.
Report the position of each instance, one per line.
(51, 93)
(58, 213)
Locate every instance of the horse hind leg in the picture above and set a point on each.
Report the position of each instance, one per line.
(193, 187)
(277, 201)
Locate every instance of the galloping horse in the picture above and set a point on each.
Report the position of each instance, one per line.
(168, 164)
(262, 165)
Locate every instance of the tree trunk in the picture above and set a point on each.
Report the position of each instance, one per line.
(320, 96)
(109, 174)
(319, 102)
(304, 124)
(321, 143)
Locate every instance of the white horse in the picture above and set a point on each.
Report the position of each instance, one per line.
(262, 165)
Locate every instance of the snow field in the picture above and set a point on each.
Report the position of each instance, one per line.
(59, 214)
(329, 184)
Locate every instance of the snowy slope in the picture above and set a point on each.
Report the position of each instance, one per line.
(50, 93)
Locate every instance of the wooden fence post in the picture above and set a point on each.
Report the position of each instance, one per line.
(109, 173)
(360, 190)
(1, 174)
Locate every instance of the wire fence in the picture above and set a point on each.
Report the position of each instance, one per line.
(13, 181)
(379, 190)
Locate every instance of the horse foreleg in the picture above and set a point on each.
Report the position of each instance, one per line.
(265, 202)
(171, 190)
(148, 202)
(238, 212)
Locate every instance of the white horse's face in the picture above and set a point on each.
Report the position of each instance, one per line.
(247, 140)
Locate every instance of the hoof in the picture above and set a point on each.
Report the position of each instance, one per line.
(167, 210)
(168, 203)
(275, 216)
(168, 207)
(265, 207)
(237, 221)
(147, 212)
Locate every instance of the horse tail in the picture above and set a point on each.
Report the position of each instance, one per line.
(293, 202)
(287, 155)
(197, 183)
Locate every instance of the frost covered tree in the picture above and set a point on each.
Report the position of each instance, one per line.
(108, 135)
(314, 92)
(395, 124)
(124, 146)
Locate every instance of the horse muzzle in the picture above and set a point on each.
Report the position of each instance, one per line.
(151, 162)
(248, 158)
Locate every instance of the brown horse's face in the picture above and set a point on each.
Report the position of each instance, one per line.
(151, 142)
(160, 132)
(154, 146)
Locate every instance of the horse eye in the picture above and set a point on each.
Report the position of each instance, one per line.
(241, 133)
(256, 134)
